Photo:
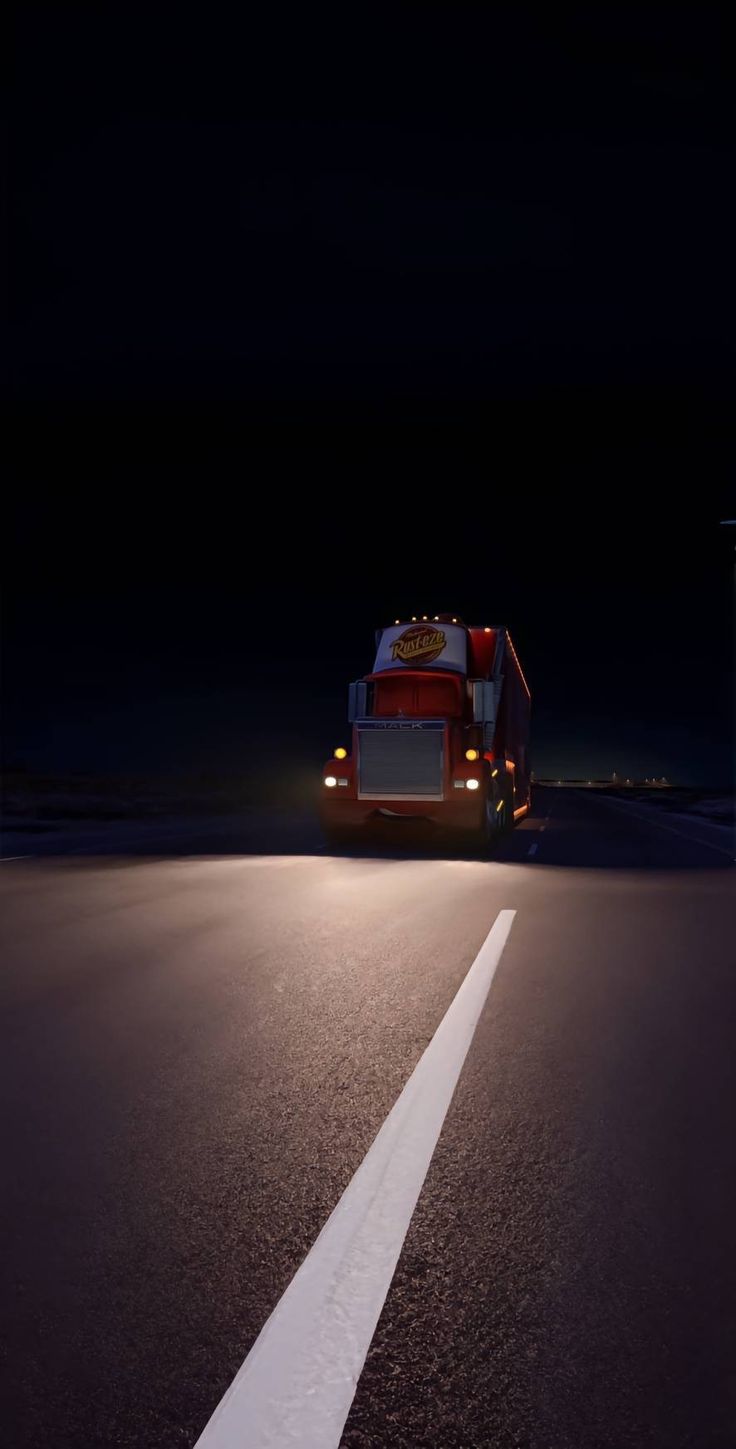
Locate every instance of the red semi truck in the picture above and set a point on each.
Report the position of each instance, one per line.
(440, 734)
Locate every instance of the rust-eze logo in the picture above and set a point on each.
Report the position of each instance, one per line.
(419, 644)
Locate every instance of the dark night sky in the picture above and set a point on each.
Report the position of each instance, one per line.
(313, 326)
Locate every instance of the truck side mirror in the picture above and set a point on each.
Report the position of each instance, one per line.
(357, 700)
(484, 701)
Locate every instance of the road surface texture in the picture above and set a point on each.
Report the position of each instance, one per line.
(198, 1051)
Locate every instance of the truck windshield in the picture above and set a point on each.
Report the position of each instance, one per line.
(424, 696)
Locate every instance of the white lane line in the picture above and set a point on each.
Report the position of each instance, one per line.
(533, 848)
(299, 1379)
(3, 858)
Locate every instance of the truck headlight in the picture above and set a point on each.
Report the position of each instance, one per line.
(473, 784)
(330, 781)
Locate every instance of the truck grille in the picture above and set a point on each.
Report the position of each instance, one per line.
(400, 763)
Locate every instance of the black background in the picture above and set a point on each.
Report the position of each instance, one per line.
(321, 321)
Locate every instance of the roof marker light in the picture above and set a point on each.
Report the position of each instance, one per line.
(516, 657)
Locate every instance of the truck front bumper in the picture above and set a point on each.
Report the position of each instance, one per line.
(465, 813)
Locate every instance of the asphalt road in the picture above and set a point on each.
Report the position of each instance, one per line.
(199, 1050)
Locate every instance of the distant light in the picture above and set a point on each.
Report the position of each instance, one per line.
(341, 753)
(454, 621)
(397, 621)
(413, 618)
(330, 781)
(471, 754)
(487, 630)
(424, 618)
(473, 784)
(436, 618)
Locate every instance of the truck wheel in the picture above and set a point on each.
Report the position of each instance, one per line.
(497, 822)
(488, 833)
(507, 814)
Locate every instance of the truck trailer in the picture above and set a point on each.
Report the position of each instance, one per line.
(440, 734)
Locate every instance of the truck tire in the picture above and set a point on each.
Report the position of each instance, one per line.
(506, 814)
(498, 823)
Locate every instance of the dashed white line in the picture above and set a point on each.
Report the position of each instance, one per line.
(299, 1379)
